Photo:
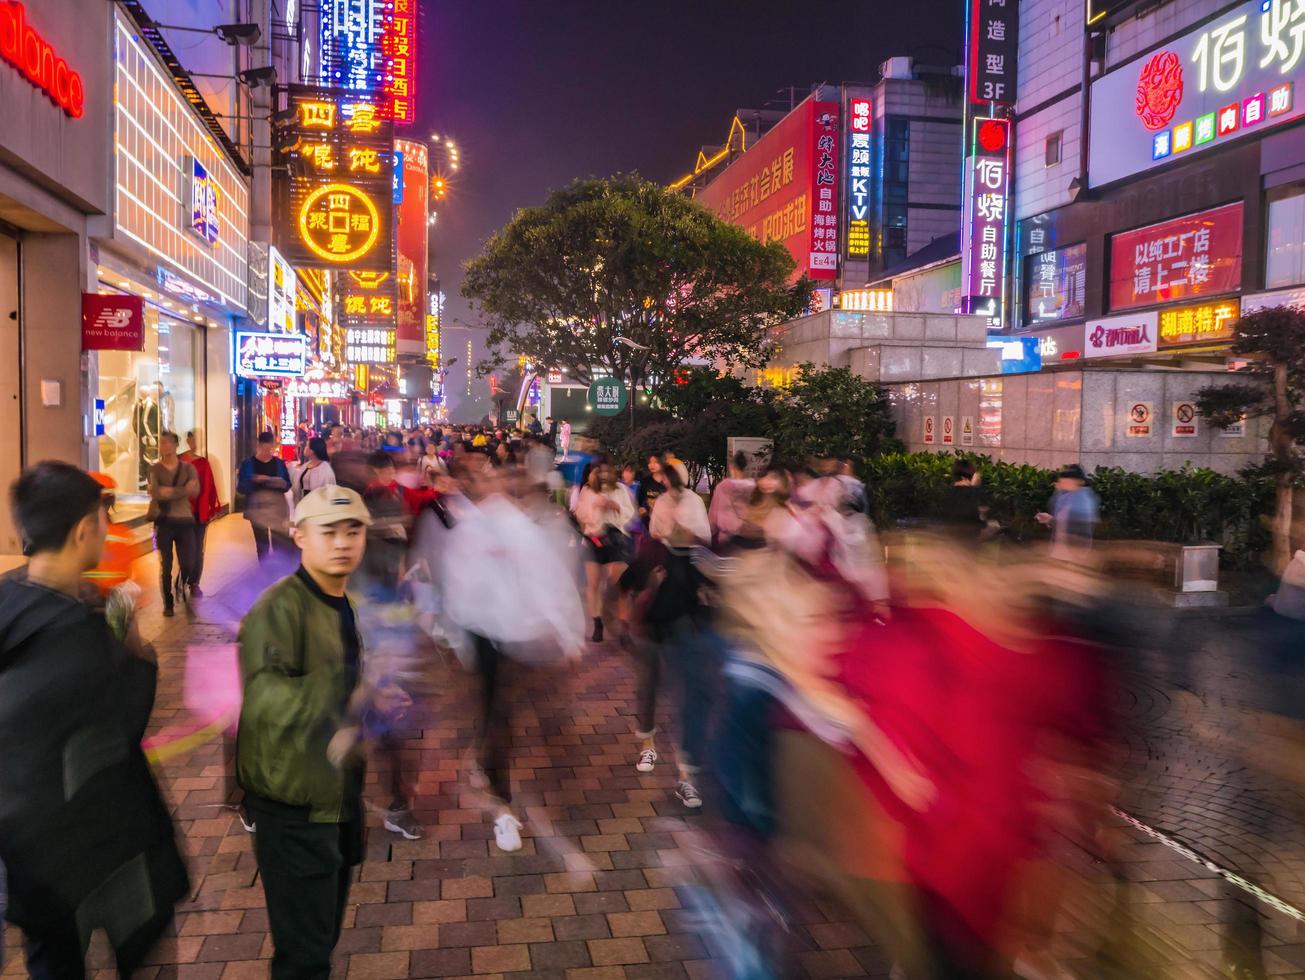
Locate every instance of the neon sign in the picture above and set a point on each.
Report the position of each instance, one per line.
(26, 50)
(1200, 324)
(858, 178)
(270, 355)
(339, 223)
(203, 203)
(987, 216)
(1219, 82)
(400, 47)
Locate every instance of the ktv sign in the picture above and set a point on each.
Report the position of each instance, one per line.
(1227, 79)
(859, 123)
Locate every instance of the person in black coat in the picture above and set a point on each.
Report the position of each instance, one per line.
(85, 836)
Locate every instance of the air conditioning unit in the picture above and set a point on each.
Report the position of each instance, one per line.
(899, 67)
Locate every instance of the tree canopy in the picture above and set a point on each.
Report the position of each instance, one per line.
(621, 277)
(1271, 386)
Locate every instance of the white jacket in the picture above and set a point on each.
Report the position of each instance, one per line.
(594, 515)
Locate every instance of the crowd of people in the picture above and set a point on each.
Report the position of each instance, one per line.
(910, 721)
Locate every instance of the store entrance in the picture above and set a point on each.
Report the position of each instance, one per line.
(11, 432)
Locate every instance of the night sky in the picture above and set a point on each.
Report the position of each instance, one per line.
(537, 93)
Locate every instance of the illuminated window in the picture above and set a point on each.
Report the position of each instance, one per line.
(1284, 260)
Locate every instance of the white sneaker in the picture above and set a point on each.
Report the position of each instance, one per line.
(688, 794)
(507, 832)
(647, 759)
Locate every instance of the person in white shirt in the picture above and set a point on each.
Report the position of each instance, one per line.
(730, 499)
(603, 511)
(315, 471)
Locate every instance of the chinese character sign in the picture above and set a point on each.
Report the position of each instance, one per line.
(771, 191)
(993, 48)
(987, 218)
(1228, 78)
(369, 345)
(860, 121)
(280, 293)
(1055, 284)
(1201, 324)
(434, 311)
(332, 198)
(823, 256)
(400, 49)
(270, 355)
(1196, 255)
(367, 299)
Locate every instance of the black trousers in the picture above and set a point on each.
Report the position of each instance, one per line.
(495, 718)
(306, 868)
(197, 552)
(181, 536)
(59, 952)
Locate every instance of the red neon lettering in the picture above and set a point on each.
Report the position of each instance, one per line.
(26, 50)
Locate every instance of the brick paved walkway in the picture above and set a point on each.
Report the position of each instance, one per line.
(599, 890)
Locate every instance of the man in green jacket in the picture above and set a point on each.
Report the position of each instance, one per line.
(296, 757)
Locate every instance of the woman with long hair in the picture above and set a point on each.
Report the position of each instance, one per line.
(603, 511)
(315, 471)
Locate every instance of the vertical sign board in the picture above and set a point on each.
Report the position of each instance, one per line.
(1184, 420)
(967, 430)
(280, 293)
(1139, 420)
(400, 49)
(993, 50)
(948, 430)
(929, 435)
(411, 238)
(332, 199)
(824, 223)
(369, 316)
(859, 120)
(987, 219)
(203, 203)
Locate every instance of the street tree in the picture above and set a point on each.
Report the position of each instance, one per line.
(830, 412)
(1271, 386)
(622, 278)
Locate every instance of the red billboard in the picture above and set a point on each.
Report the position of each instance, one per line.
(112, 322)
(1195, 255)
(411, 245)
(785, 187)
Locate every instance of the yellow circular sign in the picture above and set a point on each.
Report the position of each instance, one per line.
(339, 223)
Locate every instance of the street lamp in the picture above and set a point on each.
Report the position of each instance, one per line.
(630, 343)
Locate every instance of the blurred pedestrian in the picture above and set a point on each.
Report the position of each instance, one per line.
(1072, 514)
(315, 471)
(264, 480)
(299, 734)
(604, 512)
(730, 499)
(205, 507)
(173, 484)
(84, 832)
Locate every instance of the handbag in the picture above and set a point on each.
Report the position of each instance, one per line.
(154, 512)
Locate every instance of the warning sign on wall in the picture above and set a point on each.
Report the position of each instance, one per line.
(928, 430)
(967, 430)
(949, 430)
(1139, 420)
(1184, 420)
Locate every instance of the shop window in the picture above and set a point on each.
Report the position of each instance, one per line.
(145, 393)
(1284, 261)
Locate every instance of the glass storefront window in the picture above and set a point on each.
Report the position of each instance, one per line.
(1284, 262)
(145, 393)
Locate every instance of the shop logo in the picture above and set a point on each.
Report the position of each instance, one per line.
(26, 50)
(1108, 337)
(1159, 90)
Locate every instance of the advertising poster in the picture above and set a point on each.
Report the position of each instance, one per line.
(411, 250)
(1195, 255)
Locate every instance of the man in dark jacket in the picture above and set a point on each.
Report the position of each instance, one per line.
(297, 759)
(84, 832)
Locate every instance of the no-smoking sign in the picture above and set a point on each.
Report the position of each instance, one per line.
(1184, 420)
(1139, 419)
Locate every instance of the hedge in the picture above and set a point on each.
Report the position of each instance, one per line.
(1184, 506)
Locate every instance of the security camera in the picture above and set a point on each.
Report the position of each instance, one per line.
(258, 77)
(243, 34)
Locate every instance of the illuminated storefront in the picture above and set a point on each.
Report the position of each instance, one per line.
(180, 243)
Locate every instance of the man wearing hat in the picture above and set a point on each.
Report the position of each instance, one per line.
(297, 759)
